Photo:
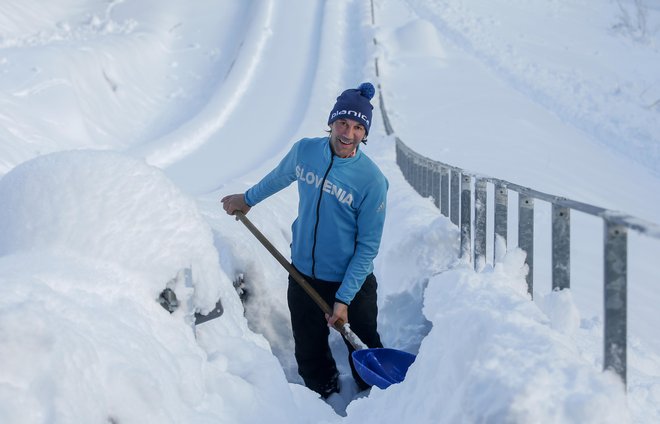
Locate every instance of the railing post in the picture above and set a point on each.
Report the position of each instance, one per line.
(428, 172)
(405, 164)
(454, 193)
(444, 191)
(435, 185)
(480, 215)
(501, 212)
(419, 175)
(413, 171)
(561, 247)
(415, 174)
(526, 236)
(422, 178)
(615, 297)
(466, 209)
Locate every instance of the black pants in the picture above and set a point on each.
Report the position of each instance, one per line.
(310, 330)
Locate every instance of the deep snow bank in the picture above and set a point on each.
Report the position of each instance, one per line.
(89, 239)
(493, 356)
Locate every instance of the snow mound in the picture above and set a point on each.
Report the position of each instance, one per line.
(111, 208)
(492, 357)
(417, 38)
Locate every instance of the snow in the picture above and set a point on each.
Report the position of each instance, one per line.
(122, 124)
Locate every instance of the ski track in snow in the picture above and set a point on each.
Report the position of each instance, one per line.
(191, 136)
(227, 135)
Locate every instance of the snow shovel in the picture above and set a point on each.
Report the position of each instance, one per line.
(379, 367)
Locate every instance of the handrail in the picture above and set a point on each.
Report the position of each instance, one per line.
(451, 189)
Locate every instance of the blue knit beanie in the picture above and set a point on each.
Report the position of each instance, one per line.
(354, 104)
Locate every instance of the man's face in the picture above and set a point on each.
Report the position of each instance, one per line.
(345, 136)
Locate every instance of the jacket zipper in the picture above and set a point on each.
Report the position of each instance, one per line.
(318, 208)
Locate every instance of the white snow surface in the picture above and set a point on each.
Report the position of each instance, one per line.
(122, 123)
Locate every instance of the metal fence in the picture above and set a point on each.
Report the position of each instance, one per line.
(458, 193)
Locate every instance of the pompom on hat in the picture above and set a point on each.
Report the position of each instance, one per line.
(354, 104)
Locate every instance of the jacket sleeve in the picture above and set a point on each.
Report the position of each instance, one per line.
(277, 179)
(370, 221)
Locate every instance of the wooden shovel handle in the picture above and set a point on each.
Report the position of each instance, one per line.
(339, 325)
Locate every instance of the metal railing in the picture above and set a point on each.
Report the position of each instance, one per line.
(454, 192)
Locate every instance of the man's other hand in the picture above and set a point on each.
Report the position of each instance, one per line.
(339, 312)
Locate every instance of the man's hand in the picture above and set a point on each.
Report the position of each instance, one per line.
(340, 311)
(233, 203)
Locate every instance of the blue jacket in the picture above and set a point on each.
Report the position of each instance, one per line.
(341, 212)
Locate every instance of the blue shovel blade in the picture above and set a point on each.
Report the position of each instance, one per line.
(382, 367)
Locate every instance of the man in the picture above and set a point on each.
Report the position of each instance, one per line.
(336, 235)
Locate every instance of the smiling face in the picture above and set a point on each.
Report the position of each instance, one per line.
(345, 136)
